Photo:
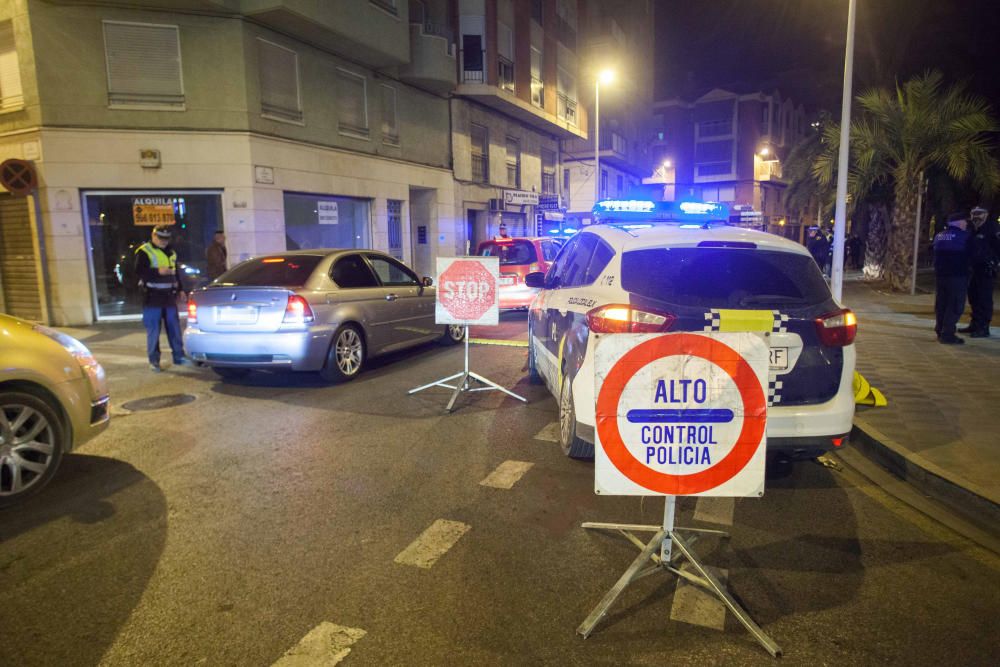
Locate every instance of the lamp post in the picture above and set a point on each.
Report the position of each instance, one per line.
(604, 76)
(840, 217)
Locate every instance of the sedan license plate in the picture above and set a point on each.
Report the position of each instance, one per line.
(779, 358)
(237, 315)
(507, 280)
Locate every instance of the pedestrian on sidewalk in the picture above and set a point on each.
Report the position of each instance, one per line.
(984, 251)
(819, 248)
(951, 269)
(156, 268)
(216, 255)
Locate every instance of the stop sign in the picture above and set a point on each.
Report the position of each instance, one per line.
(467, 290)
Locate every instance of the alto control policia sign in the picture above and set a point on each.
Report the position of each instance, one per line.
(467, 290)
(681, 414)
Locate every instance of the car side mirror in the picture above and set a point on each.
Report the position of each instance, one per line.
(427, 281)
(535, 279)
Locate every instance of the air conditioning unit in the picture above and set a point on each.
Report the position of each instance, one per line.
(497, 205)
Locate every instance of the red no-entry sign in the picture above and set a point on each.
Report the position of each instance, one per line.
(467, 290)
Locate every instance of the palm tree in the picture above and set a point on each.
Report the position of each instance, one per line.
(805, 192)
(901, 135)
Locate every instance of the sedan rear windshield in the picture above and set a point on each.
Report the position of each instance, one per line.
(724, 277)
(291, 271)
(510, 252)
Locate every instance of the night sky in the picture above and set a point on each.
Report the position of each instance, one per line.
(797, 46)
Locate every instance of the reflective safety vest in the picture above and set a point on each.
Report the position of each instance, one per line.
(157, 259)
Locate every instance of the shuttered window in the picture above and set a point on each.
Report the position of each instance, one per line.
(352, 106)
(144, 64)
(279, 81)
(11, 96)
(390, 126)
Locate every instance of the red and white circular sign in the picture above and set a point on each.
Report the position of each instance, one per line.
(681, 414)
(467, 290)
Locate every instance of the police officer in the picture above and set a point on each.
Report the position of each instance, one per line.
(984, 251)
(951, 268)
(156, 268)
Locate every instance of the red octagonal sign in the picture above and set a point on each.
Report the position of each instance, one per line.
(467, 292)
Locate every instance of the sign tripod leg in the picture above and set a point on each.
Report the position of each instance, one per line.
(465, 379)
(664, 538)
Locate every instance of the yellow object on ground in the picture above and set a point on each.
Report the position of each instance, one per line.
(498, 341)
(865, 394)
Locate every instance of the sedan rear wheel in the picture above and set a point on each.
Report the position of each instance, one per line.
(32, 441)
(453, 334)
(346, 356)
(572, 446)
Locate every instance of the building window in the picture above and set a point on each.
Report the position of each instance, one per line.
(566, 184)
(604, 183)
(144, 65)
(548, 172)
(537, 11)
(480, 143)
(714, 158)
(537, 86)
(473, 57)
(621, 185)
(513, 163)
(11, 95)
(387, 6)
(352, 104)
(394, 208)
(566, 95)
(279, 82)
(390, 126)
(505, 57)
(715, 128)
(323, 221)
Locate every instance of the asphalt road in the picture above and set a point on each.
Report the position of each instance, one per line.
(278, 512)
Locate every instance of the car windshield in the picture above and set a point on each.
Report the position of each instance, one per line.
(292, 271)
(510, 252)
(724, 278)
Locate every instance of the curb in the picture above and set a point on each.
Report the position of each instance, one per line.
(927, 478)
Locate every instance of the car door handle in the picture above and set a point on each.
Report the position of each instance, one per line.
(391, 297)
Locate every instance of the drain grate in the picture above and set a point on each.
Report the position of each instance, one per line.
(158, 402)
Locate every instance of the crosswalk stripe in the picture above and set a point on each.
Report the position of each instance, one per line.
(695, 606)
(432, 543)
(507, 474)
(550, 433)
(323, 646)
(715, 510)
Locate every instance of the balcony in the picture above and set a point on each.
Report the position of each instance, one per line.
(569, 123)
(374, 32)
(767, 170)
(432, 59)
(614, 151)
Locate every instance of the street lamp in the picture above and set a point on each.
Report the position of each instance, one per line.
(604, 76)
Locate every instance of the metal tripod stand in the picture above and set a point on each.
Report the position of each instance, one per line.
(465, 379)
(665, 538)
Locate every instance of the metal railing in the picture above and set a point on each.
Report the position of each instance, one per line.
(548, 182)
(439, 30)
(505, 73)
(471, 73)
(566, 109)
(480, 168)
(537, 92)
(513, 175)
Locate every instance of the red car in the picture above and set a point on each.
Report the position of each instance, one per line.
(518, 258)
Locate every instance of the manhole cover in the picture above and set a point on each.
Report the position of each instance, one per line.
(158, 402)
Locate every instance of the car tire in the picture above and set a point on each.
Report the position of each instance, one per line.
(346, 357)
(453, 334)
(572, 445)
(228, 373)
(42, 417)
(534, 377)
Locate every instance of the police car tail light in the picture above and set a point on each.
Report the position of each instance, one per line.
(192, 312)
(615, 318)
(838, 328)
(297, 311)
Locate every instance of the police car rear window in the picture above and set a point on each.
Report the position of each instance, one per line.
(292, 271)
(724, 277)
(510, 252)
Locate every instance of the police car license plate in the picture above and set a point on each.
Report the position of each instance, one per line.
(237, 315)
(507, 280)
(779, 358)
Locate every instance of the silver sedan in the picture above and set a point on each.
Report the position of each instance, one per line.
(311, 310)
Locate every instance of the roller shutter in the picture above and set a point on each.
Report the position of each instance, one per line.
(18, 263)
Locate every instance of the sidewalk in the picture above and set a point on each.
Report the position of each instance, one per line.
(941, 429)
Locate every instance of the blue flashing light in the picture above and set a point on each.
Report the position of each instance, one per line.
(625, 206)
(637, 210)
(690, 226)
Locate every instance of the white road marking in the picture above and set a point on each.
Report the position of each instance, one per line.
(324, 646)
(507, 474)
(432, 543)
(715, 510)
(696, 606)
(550, 433)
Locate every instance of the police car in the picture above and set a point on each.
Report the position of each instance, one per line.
(676, 266)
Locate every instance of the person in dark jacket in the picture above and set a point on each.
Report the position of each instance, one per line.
(951, 269)
(216, 255)
(984, 251)
(819, 248)
(156, 269)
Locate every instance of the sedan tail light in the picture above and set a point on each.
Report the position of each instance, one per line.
(297, 311)
(616, 318)
(838, 328)
(192, 312)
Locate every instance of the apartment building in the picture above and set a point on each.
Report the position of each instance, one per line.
(616, 37)
(287, 124)
(729, 147)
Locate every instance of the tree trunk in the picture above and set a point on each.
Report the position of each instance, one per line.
(899, 259)
(875, 242)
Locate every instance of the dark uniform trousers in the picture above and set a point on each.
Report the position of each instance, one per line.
(949, 302)
(981, 297)
(151, 317)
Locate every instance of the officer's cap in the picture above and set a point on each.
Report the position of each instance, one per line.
(979, 212)
(954, 217)
(163, 231)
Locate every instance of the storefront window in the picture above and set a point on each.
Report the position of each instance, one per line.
(318, 221)
(119, 222)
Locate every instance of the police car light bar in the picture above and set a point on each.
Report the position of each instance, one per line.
(659, 211)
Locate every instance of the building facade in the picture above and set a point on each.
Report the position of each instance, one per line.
(728, 147)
